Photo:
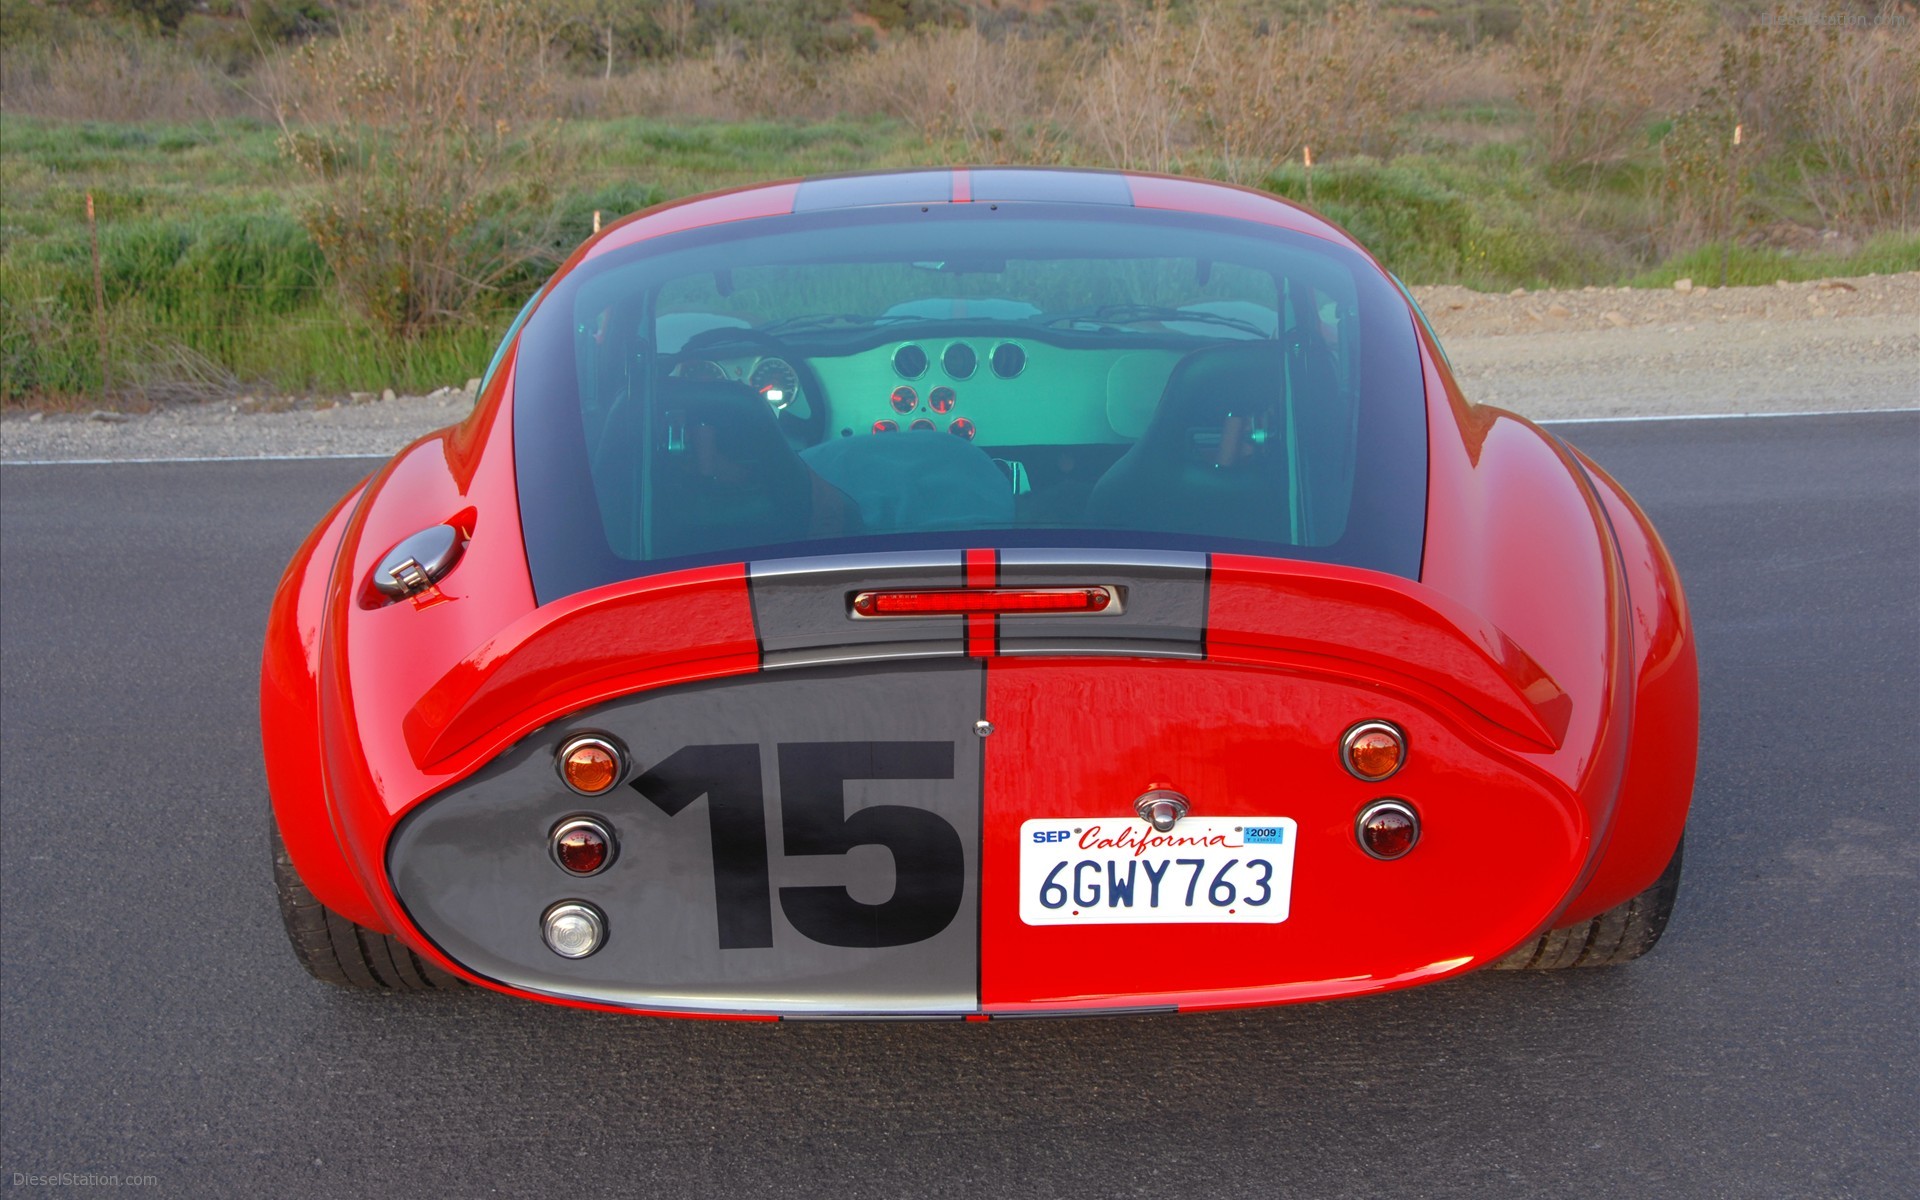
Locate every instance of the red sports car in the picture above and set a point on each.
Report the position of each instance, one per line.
(975, 593)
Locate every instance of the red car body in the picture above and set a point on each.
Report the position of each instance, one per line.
(1541, 667)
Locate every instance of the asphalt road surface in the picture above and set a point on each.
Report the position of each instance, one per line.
(153, 1022)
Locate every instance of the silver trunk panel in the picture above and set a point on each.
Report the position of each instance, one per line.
(857, 767)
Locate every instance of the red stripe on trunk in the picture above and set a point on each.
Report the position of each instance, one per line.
(983, 570)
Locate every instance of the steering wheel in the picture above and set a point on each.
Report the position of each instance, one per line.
(800, 431)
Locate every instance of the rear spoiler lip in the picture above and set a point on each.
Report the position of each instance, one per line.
(697, 624)
(1264, 611)
(581, 650)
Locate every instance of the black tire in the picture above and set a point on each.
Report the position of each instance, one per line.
(337, 951)
(1619, 935)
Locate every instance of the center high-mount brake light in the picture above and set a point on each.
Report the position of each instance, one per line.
(954, 602)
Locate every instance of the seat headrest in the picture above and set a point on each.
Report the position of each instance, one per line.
(719, 417)
(1222, 403)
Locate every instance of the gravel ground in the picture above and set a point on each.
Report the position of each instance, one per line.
(1830, 345)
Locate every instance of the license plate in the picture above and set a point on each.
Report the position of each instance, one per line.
(1216, 870)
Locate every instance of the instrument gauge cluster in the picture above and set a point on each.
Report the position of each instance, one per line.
(776, 381)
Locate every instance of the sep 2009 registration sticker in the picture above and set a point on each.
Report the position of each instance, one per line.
(1216, 870)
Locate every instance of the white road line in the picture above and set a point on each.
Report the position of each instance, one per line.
(210, 458)
(237, 458)
(1816, 412)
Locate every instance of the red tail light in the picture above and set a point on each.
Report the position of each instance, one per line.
(953, 602)
(1387, 829)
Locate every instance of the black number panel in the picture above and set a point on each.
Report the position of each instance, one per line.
(801, 841)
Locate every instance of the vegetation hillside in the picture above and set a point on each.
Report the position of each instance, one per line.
(308, 196)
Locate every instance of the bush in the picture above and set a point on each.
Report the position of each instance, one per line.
(1597, 71)
(97, 72)
(1864, 125)
(420, 132)
(967, 96)
(1432, 222)
(1336, 83)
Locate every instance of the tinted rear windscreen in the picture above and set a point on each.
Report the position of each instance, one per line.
(1026, 374)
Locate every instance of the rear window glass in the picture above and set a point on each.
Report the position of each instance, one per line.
(968, 375)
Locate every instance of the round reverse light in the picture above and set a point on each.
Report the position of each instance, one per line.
(904, 399)
(582, 846)
(1387, 829)
(591, 763)
(573, 929)
(941, 399)
(1373, 750)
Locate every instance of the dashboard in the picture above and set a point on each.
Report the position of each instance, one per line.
(997, 391)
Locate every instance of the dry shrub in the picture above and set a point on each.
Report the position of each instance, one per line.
(1596, 71)
(1339, 83)
(679, 89)
(767, 81)
(1833, 107)
(1864, 128)
(422, 130)
(95, 75)
(993, 99)
(1702, 177)
(1130, 107)
(731, 81)
(1483, 75)
(164, 370)
(1245, 93)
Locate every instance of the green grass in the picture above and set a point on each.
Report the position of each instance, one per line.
(1473, 220)
(1888, 254)
(211, 282)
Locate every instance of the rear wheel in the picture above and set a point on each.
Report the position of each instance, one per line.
(1621, 934)
(337, 951)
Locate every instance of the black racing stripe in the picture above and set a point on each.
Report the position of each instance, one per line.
(980, 867)
(1051, 185)
(861, 191)
(759, 634)
(1206, 606)
(800, 613)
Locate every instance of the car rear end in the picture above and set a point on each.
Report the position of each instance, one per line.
(982, 610)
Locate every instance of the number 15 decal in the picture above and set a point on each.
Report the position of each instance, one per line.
(929, 864)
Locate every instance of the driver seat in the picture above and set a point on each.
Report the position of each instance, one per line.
(722, 475)
(1213, 460)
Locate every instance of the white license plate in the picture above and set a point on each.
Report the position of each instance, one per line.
(1120, 872)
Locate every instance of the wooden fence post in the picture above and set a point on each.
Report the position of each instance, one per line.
(99, 302)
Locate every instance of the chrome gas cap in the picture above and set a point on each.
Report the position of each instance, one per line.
(417, 563)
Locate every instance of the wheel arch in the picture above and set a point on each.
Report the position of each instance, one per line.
(290, 719)
(1656, 789)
